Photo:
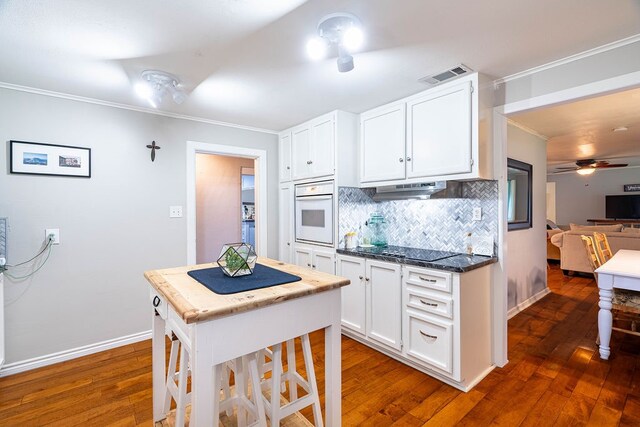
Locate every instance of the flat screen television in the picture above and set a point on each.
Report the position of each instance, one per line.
(623, 206)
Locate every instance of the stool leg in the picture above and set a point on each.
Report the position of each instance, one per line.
(240, 392)
(181, 403)
(311, 377)
(276, 379)
(256, 391)
(171, 372)
(291, 370)
(225, 371)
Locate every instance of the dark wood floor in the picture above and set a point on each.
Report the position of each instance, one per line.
(555, 377)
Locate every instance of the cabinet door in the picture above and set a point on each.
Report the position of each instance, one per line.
(384, 303)
(353, 295)
(285, 157)
(439, 132)
(323, 146)
(382, 143)
(301, 152)
(324, 260)
(302, 256)
(285, 222)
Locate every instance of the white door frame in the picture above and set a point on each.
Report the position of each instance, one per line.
(500, 113)
(260, 157)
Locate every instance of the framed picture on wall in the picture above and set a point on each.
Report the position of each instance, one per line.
(33, 158)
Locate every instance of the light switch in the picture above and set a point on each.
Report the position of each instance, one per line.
(175, 211)
(477, 214)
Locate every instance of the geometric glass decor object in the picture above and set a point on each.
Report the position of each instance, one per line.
(237, 259)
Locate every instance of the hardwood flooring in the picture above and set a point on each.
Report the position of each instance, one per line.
(555, 377)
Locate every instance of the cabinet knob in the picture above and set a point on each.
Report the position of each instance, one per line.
(308, 265)
(367, 279)
(408, 159)
(309, 162)
(313, 266)
(361, 277)
(288, 167)
(401, 160)
(288, 244)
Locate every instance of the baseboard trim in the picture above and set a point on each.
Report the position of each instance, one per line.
(527, 303)
(61, 356)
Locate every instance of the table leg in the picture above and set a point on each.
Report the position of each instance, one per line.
(333, 375)
(158, 366)
(205, 380)
(605, 322)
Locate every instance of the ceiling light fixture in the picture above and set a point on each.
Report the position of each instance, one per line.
(342, 30)
(586, 171)
(155, 84)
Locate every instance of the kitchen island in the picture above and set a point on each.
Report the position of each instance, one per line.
(219, 328)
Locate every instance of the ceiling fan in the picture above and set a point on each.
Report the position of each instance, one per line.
(589, 166)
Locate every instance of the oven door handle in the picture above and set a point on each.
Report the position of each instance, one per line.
(303, 198)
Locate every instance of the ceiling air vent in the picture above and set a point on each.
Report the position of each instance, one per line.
(436, 79)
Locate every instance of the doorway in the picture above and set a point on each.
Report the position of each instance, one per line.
(215, 210)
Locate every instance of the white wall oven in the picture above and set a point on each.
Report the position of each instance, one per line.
(314, 213)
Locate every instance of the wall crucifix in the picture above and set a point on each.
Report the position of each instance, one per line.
(153, 148)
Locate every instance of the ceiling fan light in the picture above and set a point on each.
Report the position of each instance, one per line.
(586, 171)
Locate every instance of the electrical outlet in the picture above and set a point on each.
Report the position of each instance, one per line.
(175, 211)
(55, 232)
(477, 214)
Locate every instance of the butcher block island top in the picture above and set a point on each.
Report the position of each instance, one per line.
(195, 303)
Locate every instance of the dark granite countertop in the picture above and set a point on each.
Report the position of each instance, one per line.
(454, 262)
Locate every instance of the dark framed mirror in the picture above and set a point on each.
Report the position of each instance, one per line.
(519, 195)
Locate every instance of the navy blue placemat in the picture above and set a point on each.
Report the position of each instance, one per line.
(263, 277)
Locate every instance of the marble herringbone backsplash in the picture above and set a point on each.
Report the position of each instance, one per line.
(440, 224)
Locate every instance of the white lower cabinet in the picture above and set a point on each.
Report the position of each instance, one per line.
(316, 258)
(371, 304)
(434, 320)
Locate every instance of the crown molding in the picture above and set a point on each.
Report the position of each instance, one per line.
(527, 129)
(19, 88)
(568, 59)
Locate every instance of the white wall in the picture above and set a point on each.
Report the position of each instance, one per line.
(526, 249)
(218, 203)
(113, 226)
(579, 197)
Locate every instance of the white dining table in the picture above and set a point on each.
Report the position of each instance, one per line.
(622, 271)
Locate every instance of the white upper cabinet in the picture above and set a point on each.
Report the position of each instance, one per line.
(285, 156)
(313, 148)
(434, 135)
(439, 132)
(382, 143)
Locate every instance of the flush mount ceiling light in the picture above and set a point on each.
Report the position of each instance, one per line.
(342, 30)
(586, 171)
(155, 84)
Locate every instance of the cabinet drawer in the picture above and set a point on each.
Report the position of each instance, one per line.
(431, 279)
(429, 303)
(430, 342)
(158, 302)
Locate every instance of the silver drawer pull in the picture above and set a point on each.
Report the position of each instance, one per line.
(433, 337)
(427, 280)
(430, 304)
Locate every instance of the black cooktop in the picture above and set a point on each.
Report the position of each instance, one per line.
(408, 253)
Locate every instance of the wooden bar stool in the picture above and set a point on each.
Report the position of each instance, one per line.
(275, 410)
(249, 411)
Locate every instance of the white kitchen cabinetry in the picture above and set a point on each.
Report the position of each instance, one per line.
(434, 135)
(382, 148)
(285, 222)
(316, 258)
(439, 132)
(436, 321)
(446, 323)
(371, 304)
(284, 149)
(313, 148)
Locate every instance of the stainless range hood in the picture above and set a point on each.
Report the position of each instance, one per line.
(420, 191)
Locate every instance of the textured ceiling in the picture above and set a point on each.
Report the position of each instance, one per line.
(243, 61)
(584, 129)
